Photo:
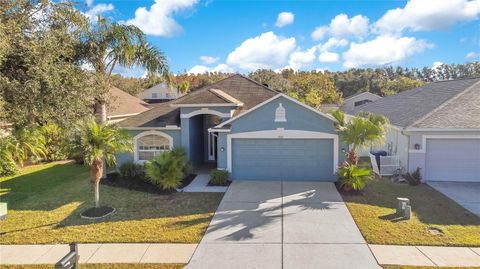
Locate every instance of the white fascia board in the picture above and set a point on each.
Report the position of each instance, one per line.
(272, 99)
(210, 130)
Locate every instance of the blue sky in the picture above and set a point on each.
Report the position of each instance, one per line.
(241, 36)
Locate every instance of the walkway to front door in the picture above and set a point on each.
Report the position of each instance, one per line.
(287, 225)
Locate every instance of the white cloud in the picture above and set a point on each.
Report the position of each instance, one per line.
(99, 9)
(209, 59)
(158, 20)
(435, 65)
(342, 26)
(267, 51)
(300, 58)
(328, 57)
(319, 32)
(89, 3)
(333, 43)
(284, 19)
(198, 69)
(427, 15)
(383, 50)
(472, 55)
(224, 68)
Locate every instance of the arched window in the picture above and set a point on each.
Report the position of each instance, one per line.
(150, 146)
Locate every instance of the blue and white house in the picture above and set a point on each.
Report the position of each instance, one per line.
(435, 127)
(244, 127)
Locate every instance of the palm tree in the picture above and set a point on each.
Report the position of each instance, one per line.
(107, 45)
(97, 141)
(363, 130)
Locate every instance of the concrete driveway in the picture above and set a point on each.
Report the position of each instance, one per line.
(282, 225)
(466, 194)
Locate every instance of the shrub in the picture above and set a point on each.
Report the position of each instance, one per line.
(131, 170)
(56, 146)
(7, 168)
(353, 178)
(168, 169)
(414, 178)
(219, 177)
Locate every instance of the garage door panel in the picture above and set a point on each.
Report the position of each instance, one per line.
(282, 159)
(453, 160)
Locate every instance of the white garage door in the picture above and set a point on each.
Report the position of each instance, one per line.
(453, 160)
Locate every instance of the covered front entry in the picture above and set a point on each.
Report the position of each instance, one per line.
(283, 159)
(453, 160)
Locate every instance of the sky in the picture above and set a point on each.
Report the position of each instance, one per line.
(241, 36)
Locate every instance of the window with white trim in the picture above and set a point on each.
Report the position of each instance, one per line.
(150, 146)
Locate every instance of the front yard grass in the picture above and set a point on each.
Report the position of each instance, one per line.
(374, 213)
(45, 202)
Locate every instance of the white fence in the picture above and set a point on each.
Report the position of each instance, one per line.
(388, 165)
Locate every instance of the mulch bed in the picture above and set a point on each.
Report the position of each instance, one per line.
(98, 212)
(349, 192)
(137, 184)
(219, 185)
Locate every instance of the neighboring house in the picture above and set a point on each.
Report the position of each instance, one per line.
(123, 105)
(244, 127)
(359, 99)
(160, 93)
(435, 127)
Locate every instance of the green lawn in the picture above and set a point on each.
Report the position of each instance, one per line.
(101, 266)
(45, 202)
(374, 213)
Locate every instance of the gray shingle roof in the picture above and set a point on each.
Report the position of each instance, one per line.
(462, 112)
(243, 89)
(247, 91)
(123, 103)
(160, 115)
(444, 104)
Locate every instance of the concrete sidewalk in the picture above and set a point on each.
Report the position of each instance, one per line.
(426, 256)
(98, 253)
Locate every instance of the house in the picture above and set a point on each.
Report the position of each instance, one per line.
(435, 127)
(123, 105)
(359, 99)
(244, 127)
(160, 93)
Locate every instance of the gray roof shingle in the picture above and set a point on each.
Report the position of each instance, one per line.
(160, 115)
(240, 88)
(444, 104)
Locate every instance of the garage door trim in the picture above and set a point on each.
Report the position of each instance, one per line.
(427, 138)
(423, 149)
(281, 133)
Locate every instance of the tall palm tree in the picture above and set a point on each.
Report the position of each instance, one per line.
(107, 45)
(363, 130)
(97, 141)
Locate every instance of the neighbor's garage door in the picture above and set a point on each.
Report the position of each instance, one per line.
(282, 159)
(453, 160)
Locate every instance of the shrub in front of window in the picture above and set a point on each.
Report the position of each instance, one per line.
(131, 171)
(219, 177)
(168, 169)
(353, 178)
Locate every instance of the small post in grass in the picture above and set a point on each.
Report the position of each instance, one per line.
(403, 207)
